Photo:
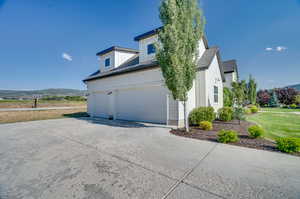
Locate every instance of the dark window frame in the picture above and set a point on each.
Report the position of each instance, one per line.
(107, 62)
(216, 94)
(151, 49)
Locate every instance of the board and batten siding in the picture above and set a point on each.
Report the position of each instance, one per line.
(207, 79)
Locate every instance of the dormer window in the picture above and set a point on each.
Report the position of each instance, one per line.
(151, 49)
(107, 62)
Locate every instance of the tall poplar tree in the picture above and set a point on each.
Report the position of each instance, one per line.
(251, 90)
(183, 27)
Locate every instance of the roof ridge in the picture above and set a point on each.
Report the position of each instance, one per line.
(117, 48)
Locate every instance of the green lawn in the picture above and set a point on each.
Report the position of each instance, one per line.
(279, 110)
(278, 124)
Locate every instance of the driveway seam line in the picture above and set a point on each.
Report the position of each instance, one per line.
(204, 190)
(181, 180)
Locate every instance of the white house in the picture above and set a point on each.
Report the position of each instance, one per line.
(129, 84)
(230, 72)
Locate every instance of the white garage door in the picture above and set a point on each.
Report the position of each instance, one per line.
(100, 105)
(146, 104)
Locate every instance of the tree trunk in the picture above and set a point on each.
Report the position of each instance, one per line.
(186, 122)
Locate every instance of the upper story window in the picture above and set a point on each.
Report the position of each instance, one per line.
(216, 94)
(151, 49)
(107, 62)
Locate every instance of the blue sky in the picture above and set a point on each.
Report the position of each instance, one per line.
(52, 43)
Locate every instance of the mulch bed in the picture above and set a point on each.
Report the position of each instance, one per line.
(241, 128)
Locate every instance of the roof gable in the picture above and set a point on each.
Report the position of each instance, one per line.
(117, 48)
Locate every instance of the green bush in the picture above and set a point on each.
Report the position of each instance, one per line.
(202, 114)
(256, 131)
(293, 106)
(226, 136)
(206, 125)
(247, 111)
(253, 109)
(288, 145)
(239, 113)
(225, 114)
(227, 97)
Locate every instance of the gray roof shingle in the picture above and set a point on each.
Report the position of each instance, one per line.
(230, 66)
(131, 65)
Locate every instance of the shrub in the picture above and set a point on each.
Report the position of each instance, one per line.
(227, 97)
(225, 114)
(247, 111)
(202, 114)
(253, 109)
(239, 113)
(226, 136)
(285, 106)
(288, 145)
(293, 106)
(206, 125)
(256, 131)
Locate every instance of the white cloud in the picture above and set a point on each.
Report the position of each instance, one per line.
(66, 56)
(268, 49)
(281, 48)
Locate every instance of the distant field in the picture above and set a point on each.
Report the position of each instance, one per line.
(41, 103)
(22, 116)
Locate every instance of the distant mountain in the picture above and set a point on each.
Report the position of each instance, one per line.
(45, 92)
(297, 87)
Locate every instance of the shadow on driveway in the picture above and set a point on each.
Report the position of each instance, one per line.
(113, 123)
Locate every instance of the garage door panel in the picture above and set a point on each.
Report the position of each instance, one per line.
(101, 105)
(144, 104)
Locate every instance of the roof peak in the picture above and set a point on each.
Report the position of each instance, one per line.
(148, 34)
(117, 48)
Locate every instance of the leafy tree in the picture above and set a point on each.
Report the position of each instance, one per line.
(183, 26)
(251, 90)
(263, 97)
(286, 96)
(239, 92)
(298, 99)
(273, 102)
(227, 97)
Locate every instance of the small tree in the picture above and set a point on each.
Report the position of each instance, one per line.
(239, 92)
(227, 97)
(183, 27)
(251, 90)
(273, 102)
(263, 97)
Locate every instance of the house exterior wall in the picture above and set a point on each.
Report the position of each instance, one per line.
(230, 77)
(116, 59)
(144, 57)
(206, 80)
(142, 80)
(201, 48)
(201, 88)
(122, 57)
(111, 56)
(143, 44)
(214, 78)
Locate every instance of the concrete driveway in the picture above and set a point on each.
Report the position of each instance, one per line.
(77, 158)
